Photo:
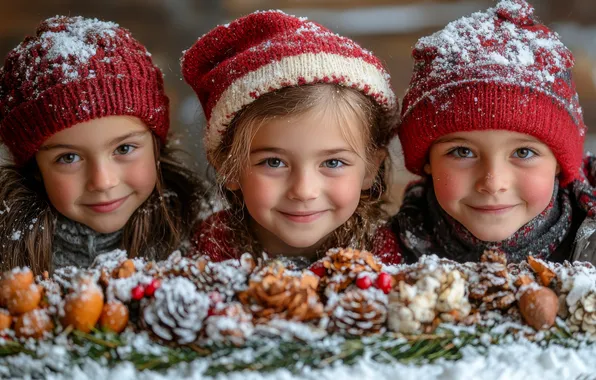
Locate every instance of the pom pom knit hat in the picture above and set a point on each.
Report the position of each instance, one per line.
(498, 69)
(73, 70)
(232, 65)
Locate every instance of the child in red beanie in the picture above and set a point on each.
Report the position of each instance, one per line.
(84, 116)
(298, 122)
(492, 121)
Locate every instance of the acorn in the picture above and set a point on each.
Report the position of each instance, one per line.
(114, 316)
(83, 308)
(5, 319)
(14, 280)
(539, 306)
(33, 324)
(24, 300)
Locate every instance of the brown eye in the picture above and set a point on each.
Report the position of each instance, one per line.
(124, 149)
(524, 153)
(462, 152)
(68, 158)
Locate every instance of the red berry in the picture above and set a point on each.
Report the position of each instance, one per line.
(363, 282)
(152, 287)
(216, 298)
(137, 292)
(318, 269)
(384, 282)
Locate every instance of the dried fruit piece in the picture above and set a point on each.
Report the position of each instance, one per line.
(11, 281)
(33, 324)
(114, 316)
(24, 300)
(5, 319)
(545, 274)
(124, 270)
(83, 307)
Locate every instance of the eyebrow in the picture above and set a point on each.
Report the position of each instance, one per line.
(283, 151)
(112, 142)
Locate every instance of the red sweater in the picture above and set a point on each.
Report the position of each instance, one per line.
(215, 238)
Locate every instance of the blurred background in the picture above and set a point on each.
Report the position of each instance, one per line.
(387, 27)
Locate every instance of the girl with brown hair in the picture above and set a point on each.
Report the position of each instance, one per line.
(84, 116)
(298, 123)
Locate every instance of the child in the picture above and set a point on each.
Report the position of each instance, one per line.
(492, 120)
(298, 121)
(84, 115)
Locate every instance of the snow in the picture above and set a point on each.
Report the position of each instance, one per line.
(522, 360)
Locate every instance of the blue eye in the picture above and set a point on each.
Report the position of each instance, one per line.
(274, 163)
(524, 153)
(461, 152)
(124, 149)
(333, 164)
(68, 158)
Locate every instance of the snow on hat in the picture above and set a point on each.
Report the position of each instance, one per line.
(498, 69)
(232, 65)
(74, 70)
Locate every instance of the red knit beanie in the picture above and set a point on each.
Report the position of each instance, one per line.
(232, 65)
(498, 69)
(74, 70)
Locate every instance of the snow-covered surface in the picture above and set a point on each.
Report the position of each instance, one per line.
(515, 360)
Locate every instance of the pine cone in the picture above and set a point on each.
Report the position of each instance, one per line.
(358, 312)
(274, 291)
(426, 295)
(582, 314)
(493, 288)
(230, 323)
(177, 311)
(412, 308)
(344, 265)
(226, 277)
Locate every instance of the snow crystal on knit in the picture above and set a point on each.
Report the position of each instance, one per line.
(67, 45)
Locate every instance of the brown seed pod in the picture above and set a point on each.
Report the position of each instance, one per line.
(83, 308)
(114, 316)
(33, 324)
(539, 306)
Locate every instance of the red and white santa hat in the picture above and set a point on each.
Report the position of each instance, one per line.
(234, 64)
(497, 69)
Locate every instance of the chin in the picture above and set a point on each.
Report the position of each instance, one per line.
(492, 236)
(105, 229)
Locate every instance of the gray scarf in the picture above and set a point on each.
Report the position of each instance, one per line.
(78, 245)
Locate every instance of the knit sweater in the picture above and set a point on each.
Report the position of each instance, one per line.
(215, 238)
(78, 245)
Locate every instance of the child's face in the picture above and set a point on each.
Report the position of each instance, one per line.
(99, 172)
(492, 182)
(304, 181)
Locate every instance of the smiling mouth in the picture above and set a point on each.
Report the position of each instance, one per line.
(105, 207)
(302, 216)
(496, 209)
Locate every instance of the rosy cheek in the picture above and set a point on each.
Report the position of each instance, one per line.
(141, 176)
(536, 189)
(449, 186)
(62, 191)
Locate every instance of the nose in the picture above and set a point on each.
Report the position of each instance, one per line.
(102, 176)
(304, 186)
(494, 177)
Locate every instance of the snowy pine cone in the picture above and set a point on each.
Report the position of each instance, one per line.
(177, 311)
(358, 312)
